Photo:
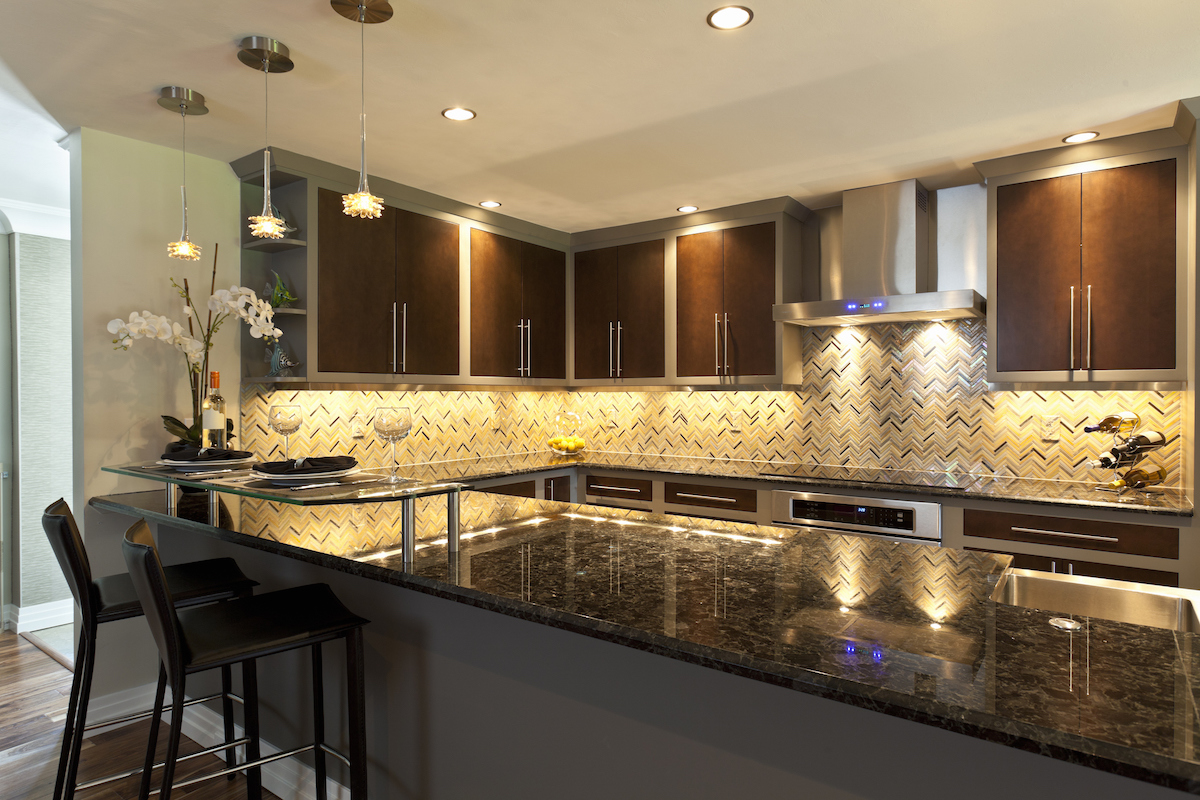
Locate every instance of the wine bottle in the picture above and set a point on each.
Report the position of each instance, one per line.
(1141, 478)
(213, 414)
(1121, 422)
(1142, 443)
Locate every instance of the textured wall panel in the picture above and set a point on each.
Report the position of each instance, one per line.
(42, 325)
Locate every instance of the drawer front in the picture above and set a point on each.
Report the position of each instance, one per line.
(558, 489)
(696, 494)
(1110, 537)
(624, 488)
(516, 489)
(1091, 569)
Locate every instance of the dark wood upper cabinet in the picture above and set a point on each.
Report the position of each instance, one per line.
(1128, 236)
(427, 270)
(356, 280)
(1037, 263)
(725, 290)
(619, 315)
(388, 292)
(518, 308)
(1086, 274)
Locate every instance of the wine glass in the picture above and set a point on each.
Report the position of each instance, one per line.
(392, 424)
(285, 419)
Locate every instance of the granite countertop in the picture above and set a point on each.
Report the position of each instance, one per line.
(1168, 501)
(906, 630)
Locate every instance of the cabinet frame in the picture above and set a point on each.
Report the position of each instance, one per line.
(1151, 379)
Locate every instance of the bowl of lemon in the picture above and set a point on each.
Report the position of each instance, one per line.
(565, 440)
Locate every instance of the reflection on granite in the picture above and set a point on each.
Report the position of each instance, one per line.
(902, 629)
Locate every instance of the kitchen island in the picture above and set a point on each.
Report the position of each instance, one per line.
(494, 672)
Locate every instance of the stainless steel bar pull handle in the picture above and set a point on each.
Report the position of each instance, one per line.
(613, 488)
(521, 345)
(529, 347)
(717, 343)
(726, 344)
(394, 369)
(404, 342)
(707, 497)
(610, 349)
(1072, 327)
(1090, 536)
(618, 349)
(1088, 364)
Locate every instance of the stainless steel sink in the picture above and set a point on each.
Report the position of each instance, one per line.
(1138, 603)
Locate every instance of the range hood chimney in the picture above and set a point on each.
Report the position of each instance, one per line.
(883, 274)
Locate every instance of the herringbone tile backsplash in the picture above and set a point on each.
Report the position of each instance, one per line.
(910, 395)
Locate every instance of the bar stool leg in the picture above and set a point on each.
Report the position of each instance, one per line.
(84, 668)
(250, 709)
(318, 678)
(69, 729)
(227, 713)
(357, 713)
(168, 776)
(160, 694)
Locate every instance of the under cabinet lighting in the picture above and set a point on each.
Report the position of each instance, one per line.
(490, 204)
(1085, 136)
(458, 114)
(728, 18)
(937, 626)
(687, 209)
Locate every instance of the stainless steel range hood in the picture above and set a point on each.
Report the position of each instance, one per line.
(875, 269)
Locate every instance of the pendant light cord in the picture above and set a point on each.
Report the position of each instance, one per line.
(267, 211)
(362, 96)
(183, 188)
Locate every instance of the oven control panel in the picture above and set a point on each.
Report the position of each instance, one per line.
(870, 516)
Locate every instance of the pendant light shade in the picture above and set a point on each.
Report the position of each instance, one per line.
(362, 203)
(186, 103)
(268, 55)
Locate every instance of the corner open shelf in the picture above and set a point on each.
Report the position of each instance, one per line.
(273, 245)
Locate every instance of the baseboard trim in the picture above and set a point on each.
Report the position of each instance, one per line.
(23, 619)
(287, 778)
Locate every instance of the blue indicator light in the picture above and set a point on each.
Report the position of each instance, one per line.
(852, 307)
(877, 655)
(850, 649)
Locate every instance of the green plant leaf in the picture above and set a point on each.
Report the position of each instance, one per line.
(176, 428)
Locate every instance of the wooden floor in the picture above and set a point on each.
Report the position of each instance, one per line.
(34, 692)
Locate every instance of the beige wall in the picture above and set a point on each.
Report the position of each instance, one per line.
(124, 210)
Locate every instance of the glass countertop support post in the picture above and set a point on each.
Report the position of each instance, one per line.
(172, 500)
(408, 531)
(453, 507)
(214, 509)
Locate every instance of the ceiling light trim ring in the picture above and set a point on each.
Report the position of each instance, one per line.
(716, 11)
(369, 11)
(254, 50)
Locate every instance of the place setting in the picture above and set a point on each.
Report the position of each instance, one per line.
(193, 460)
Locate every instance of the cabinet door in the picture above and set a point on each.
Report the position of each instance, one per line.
(596, 291)
(1129, 262)
(699, 269)
(1037, 263)
(427, 279)
(356, 287)
(641, 290)
(749, 291)
(544, 300)
(495, 304)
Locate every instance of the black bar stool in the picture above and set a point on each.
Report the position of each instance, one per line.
(112, 598)
(242, 631)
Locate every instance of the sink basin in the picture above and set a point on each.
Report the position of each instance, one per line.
(1137, 603)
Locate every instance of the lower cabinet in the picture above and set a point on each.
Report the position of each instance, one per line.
(557, 488)
(609, 490)
(1090, 535)
(514, 489)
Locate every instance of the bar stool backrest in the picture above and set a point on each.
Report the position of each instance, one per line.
(146, 572)
(67, 544)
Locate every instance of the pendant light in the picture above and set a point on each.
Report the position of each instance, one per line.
(187, 103)
(362, 203)
(268, 55)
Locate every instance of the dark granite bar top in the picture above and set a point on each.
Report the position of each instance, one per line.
(902, 629)
(1083, 494)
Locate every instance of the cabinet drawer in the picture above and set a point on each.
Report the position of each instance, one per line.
(625, 488)
(516, 489)
(1111, 537)
(696, 494)
(1091, 569)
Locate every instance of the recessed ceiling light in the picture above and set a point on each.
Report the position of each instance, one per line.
(458, 114)
(687, 209)
(1085, 136)
(727, 18)
(490, 204)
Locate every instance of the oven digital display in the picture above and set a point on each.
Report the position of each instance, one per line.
(899, 519)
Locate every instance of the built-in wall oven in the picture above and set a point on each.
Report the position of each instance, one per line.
(898, 520)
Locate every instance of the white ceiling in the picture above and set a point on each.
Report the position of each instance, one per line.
(601, 113)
